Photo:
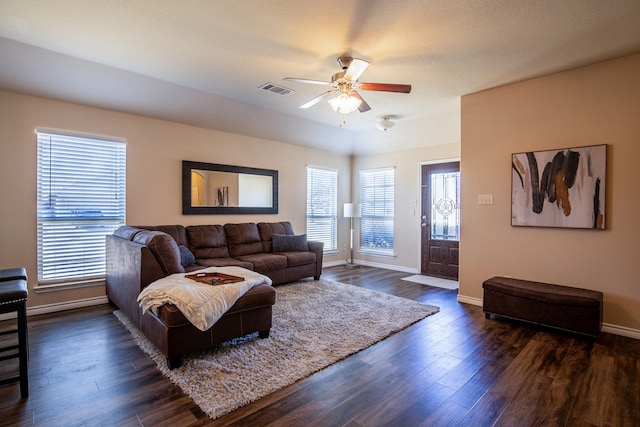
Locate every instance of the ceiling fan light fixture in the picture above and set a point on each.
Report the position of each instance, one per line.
(384, 124)
(343, 97)
(344, 103)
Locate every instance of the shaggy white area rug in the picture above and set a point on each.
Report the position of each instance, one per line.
(315, 324)
(433, 281)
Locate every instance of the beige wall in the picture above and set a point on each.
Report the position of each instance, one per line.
(598, 104)
(155, 150)
(407, 164)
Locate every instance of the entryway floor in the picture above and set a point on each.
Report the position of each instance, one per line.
(433, 281)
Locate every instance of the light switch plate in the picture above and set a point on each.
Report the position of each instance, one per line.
(485, 199)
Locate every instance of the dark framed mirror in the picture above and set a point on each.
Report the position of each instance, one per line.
(214, 189)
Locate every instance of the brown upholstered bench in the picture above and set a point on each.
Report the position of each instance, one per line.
(572, 309)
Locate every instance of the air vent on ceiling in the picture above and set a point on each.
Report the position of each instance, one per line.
(280, 90)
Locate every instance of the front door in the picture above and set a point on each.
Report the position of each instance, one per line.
(440, 223)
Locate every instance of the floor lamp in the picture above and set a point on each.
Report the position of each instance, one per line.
(351, 210)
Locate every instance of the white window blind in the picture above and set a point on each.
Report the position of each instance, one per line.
(377, 189)
(322, 206)
(81, 199)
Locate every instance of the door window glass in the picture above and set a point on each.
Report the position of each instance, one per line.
(445, 206)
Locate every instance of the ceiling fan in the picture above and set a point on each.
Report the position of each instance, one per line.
(345, 83)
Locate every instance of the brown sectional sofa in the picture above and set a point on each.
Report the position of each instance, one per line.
(139, 255)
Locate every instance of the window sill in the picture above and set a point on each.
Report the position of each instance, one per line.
(378, 254)
(65, 286)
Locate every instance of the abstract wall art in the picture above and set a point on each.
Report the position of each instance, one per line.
(559, 188)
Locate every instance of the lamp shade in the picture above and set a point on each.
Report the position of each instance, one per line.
(352, 210)
(344, 103)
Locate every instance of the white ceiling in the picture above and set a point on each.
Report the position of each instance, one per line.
(200, 62)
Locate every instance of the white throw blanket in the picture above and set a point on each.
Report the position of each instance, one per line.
(200, 303)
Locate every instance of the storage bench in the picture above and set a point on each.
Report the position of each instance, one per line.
(572, 309)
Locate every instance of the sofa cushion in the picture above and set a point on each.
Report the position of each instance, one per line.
(186, 256)
(207, 241)
(178, 232)
(243, 239)
(193, 267)
(286, 243)
(258, 296)
(268, 229)
(224, 262)
(264, 263)
(163, 248)
(171, 316)
(299, 258)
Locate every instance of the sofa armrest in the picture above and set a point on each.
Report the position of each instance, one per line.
(163, 247)
(130, 267)
(318, 249)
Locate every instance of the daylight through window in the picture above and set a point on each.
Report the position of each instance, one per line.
(322, 210)
(81, 199)
(377, 189)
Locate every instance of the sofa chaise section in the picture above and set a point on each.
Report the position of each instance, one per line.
(140, 255)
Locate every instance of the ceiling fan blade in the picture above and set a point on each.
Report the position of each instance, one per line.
(385, 87)
(364, 107)
(314, 82)
(356, 68)
(317, 99)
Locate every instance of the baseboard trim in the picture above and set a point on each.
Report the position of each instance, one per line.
(469, 300)
(606, 327)
(62, 306)
(621, 330)
(333, 263)
(407, 270)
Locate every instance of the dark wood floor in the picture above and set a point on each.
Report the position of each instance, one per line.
(451, 369)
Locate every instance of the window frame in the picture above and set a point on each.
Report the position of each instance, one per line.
(373, 213)
(81, 198)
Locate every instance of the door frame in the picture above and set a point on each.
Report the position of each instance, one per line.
(419, 209)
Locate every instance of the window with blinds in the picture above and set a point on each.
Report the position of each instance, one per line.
(377, 189)
(81, 199)
(322, 206)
